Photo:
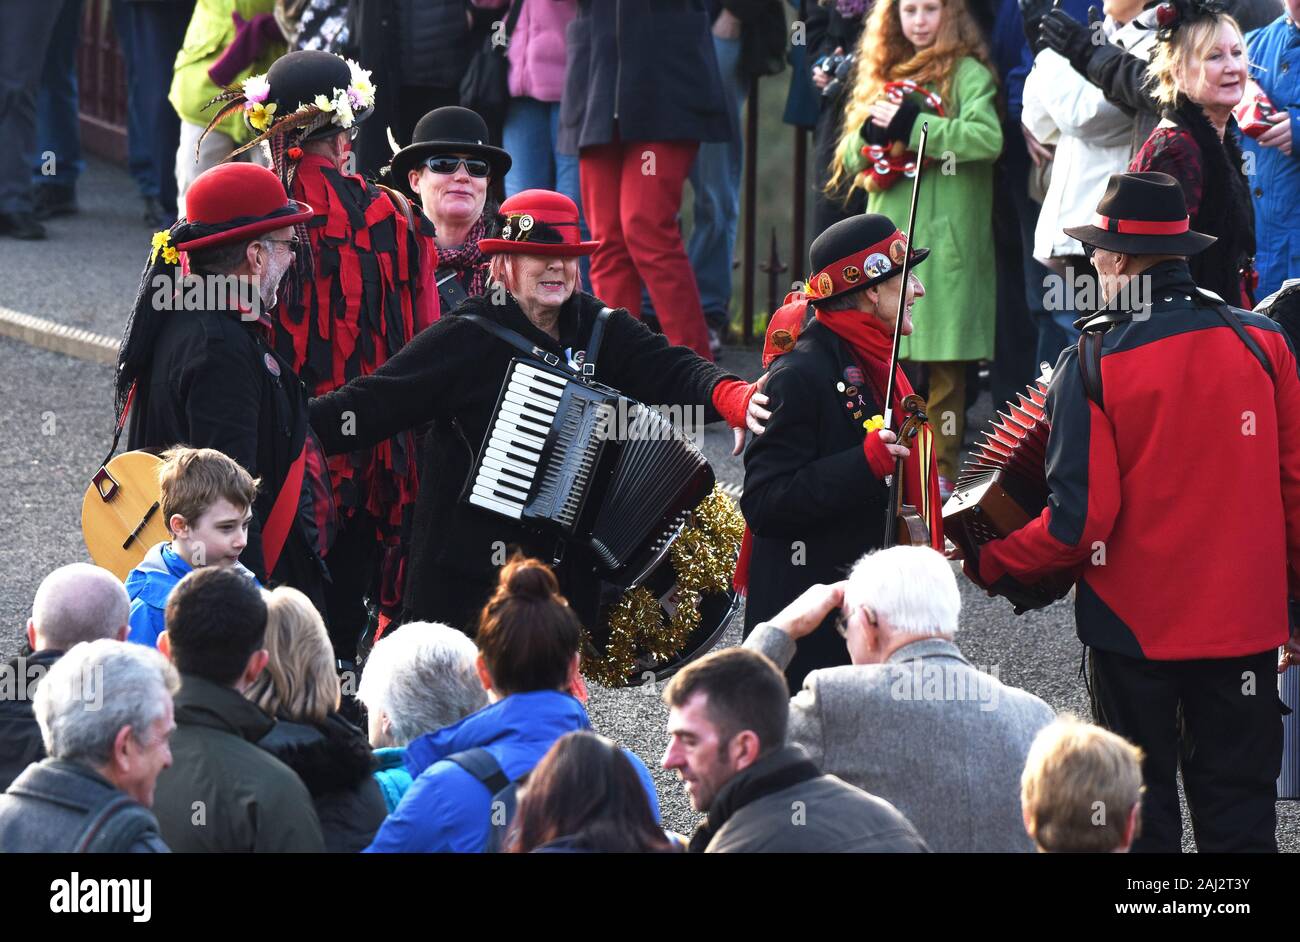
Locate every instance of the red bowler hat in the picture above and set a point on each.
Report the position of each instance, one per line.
(538, 222)
(241, 201)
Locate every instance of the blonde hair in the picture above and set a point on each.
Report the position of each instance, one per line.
(193, 479)
(1190, 45)
(1079, 785)
(884, 55)
(299, 683)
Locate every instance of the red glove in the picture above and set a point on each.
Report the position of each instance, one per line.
(879, 459)
(731, 399)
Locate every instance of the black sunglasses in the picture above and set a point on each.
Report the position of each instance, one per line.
(1089, 250)
(448, 164)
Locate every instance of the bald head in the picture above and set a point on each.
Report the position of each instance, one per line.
(77, 603)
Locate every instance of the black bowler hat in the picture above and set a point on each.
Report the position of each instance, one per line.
(297, 78)
(856, 253)
(1142, 214)
(447, 130)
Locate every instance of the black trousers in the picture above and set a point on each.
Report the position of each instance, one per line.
(1221, 720)
(353, 564)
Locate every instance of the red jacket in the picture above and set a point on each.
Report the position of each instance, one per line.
(1178, 500)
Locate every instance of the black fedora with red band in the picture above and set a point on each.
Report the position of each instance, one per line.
(856, 253)
(1142, 214)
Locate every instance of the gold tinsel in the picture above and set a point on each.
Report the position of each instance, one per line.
(704, 561)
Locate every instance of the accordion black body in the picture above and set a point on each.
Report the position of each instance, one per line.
(581, 461)
(1002, 487)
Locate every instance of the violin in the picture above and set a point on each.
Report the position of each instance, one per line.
(910, 528)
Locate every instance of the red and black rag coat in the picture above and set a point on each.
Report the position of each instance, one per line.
(371, 290)
(1177, 499)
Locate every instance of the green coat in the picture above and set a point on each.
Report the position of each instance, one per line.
(954, 218)
(210, 32)
(223, 793)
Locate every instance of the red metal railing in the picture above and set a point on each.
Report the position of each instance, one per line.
(102, 84)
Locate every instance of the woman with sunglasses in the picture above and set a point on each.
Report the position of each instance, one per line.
(449, 167)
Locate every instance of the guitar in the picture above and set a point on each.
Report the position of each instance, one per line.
(121, 514)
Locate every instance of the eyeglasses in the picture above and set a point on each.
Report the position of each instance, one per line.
(292, 243)
(842, 623)
(1089, 250)
(447, 164)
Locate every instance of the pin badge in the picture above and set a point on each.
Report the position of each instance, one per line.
(897, 251)
(825, 286)
(272, 366)
(852, 274)
(783, 340)
(525, 222)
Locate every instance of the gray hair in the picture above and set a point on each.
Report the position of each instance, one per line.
(910, 587)
(79, 603)
(94, 690)
(853, 301)
(423, 677)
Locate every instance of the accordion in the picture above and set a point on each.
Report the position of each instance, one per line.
(1002, 487)
(581, 461)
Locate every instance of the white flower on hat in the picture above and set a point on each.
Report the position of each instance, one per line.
(343, 116)
(257, 88)
(360, 84)
(323, 103)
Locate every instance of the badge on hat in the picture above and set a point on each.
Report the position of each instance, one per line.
(877, 265)
(852, 274)
(825, 286)
(272, 366)
(898, 251)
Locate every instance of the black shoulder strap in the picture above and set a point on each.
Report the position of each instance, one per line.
(117, 824)
(513, 17)
(1233, 321)
(451, 293)
(479, 763)
(522, 344)
(1090, 364)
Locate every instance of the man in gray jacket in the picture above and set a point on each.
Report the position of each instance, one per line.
(911, 719)
(105, 713)
(727, 729)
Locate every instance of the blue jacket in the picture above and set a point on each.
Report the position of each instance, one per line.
(1275, 185)
(148, 587)
(392, 775)
(446, 808)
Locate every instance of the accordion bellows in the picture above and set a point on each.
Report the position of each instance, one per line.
(1002, 487)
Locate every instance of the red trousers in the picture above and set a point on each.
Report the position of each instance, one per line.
(631, 192)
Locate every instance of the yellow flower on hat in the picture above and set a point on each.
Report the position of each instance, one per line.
(259, 116)
(323, 103)
(161, 242)
(874, 424)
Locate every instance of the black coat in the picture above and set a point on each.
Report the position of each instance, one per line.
(334, 761)
(20, 736)
(450, 375)
(647, 66)
(214, 382)
(811, 500)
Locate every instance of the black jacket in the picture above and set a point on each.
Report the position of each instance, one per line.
(51, 805)
(641, 70)
(334, 761)
(811, 500)
(215, 382)
(20, 736)
(222, 794)
(450, 375)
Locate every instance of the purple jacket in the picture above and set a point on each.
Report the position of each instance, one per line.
(537, 53)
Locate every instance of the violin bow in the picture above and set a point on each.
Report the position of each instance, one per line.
(891, 521)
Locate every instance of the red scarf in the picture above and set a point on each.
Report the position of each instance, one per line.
(871, 347)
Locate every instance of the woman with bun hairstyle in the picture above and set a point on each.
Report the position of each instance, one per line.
(529, 640)
(936, 47)
(585, 797)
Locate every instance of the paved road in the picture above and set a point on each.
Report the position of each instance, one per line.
(57, 416)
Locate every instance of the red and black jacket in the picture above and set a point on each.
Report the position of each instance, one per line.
(1177, 499)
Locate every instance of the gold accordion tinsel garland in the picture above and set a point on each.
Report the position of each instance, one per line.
(704, 560)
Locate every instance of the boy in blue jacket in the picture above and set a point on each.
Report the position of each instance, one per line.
(207, 501)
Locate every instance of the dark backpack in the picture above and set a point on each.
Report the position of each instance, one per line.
(505, 793)
(115, 827)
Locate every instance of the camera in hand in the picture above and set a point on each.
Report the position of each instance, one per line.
(838, 68)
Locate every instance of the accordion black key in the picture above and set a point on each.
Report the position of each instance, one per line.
(582, 461)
